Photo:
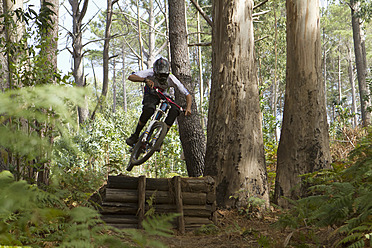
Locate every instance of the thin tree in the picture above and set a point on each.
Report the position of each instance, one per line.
(77, 51)
(235, 150)
(304, 142)
(50, 34)
(191, 133)
(361, 61)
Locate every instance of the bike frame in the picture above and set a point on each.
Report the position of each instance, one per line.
(164, 113)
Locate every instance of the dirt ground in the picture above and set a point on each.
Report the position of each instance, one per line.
(234, 230)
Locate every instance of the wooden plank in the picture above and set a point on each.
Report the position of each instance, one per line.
(118, 208)
(119, 195)
(198, 184)
(197, 221)
(161, 197)
(188, 210)
(141, 199)
(124, 226)
(125, 182)
(122, 182)
(189, 184)
(120, 219)
(179, 204)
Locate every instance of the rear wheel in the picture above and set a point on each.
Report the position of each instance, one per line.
(142, 151)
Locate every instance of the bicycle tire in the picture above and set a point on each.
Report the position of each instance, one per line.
(142, 152)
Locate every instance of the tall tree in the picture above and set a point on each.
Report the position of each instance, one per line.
(191, 133)
(235, 151)
(11, 32)
(3, 55)
(50, 33)
(77, 50)
(304, 142)
(361, 61)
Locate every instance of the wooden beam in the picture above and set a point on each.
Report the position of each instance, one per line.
(179, 204)
(141, 199)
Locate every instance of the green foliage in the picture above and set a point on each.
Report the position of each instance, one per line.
(30, 216)
(156, 225)
(341, 198)
(24, 108)
(209, 229)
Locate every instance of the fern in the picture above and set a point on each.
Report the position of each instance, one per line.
(30, 216)
(339, 197)
(156, 225)
(27, 103)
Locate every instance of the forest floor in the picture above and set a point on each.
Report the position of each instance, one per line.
(235, 230)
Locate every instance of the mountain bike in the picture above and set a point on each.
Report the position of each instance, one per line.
(152, 138)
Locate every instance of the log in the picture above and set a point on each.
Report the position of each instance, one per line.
(197, 221)
(188, 210)
(179, 204)
(120, 195)
(124, 226)
(118, 208)
(141, 200)
(161, 197)
(197, 184)
(120, 219)
(125, 182)
(122, 182)
(191, 184)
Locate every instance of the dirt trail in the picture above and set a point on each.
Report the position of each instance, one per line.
(234, 230)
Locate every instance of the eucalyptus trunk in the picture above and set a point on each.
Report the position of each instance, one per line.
(191, 133)
(235, 151)
(50, 35)
(352, 84)
(304, 142)
(361, 61)
(4, 74)
(77, 52)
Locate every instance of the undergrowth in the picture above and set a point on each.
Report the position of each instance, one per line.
(33, 217)
(339, 198)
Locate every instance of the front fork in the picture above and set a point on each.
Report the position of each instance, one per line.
(159, 115)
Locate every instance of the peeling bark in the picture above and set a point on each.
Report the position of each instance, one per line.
(235, 151)
(304, 141)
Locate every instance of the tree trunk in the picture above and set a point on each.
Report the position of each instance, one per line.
(200, 65)
(114, 87)
(235, 150)
(191, 133)
(4, 75)
(152, 54)
(106, 47)
(339, 85)
(361, 62)
(352, 84)
(125, 106)
(77, 53)
(12, 34)
(51, 35)
(140, 62)
(304, 141)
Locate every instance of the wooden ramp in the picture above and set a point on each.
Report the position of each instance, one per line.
(126, 199)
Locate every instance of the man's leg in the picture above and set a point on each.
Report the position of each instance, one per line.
(148, 109)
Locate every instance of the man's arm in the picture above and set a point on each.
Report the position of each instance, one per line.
(136, 78)
(188, 107)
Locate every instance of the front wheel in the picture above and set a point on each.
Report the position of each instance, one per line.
(142, 151)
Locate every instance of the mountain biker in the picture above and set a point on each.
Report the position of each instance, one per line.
(159, 77)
